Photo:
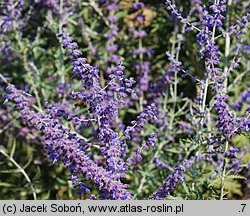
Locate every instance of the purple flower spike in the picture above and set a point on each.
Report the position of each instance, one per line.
(172, 181)
(142, 119)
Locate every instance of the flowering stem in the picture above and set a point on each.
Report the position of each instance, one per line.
(141, 184)
(122, 135)
(207, 78)
(62, 68)
(175, 82)
(223, 174)
(26, 65)
(182, 19)
(227, 45)
(141, 100)
(226, 71)
(238, 126)
(175, 74)
(205, 95)
(70, 188)
(4, 79)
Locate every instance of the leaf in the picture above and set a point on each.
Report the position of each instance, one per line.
(236, 177)
(3, 150)
(233, 187)
(45, 196)
(38, 173)
(174, 198)
(10, 171)
(173, 151)
(133, 111)
(13, 149)
(28, 163)
(5, 184)
(215, 183)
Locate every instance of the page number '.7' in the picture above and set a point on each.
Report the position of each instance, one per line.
(242, 207)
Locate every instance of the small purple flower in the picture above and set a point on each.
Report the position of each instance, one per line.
(137, 158)
(138, 5)
(140, 51)
(143, 84)
(113, 18)
(243, 98)
(151, 140)
(231, 153)
(158, 163)
(120, 83)
(140, 18)
(111, 48)
(176, 66)
(113, 6)
(248, 165)
(186, 127)
(138, 33)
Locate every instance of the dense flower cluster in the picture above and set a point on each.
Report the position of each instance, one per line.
(103, 106)
(11, 12)
(228, 124)
(62, 144)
